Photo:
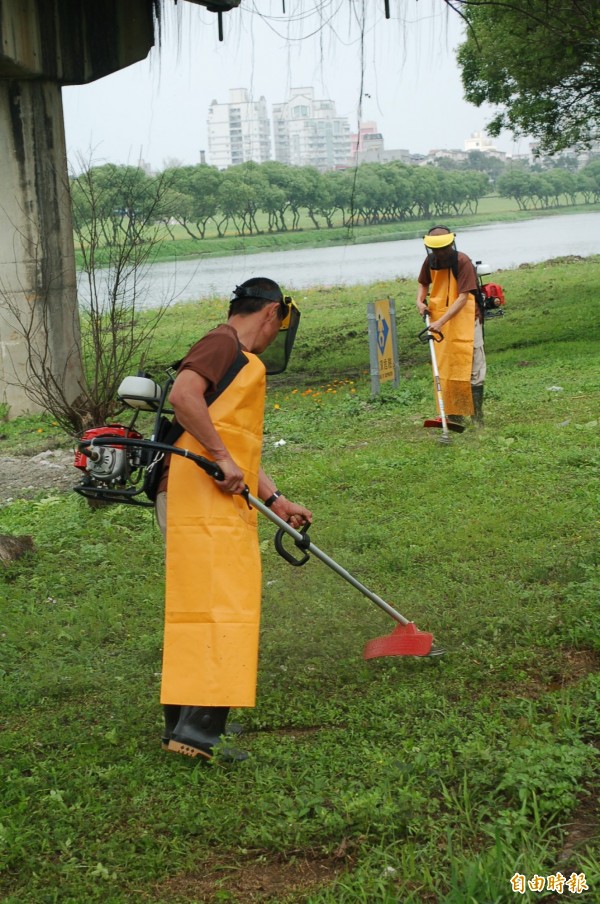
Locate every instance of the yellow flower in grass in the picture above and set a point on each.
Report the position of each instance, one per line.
(276, 406)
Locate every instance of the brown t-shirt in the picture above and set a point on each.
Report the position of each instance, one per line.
(211, 358)
(466, 278)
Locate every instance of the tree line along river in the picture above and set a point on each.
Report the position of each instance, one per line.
(502, 246)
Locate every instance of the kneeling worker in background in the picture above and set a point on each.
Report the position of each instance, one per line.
(213, 569)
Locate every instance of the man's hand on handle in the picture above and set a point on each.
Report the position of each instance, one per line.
(295, 515)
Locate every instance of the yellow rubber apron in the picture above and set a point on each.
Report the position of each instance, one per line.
(454, 355)
(213, 569)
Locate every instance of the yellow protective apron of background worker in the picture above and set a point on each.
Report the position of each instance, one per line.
(213, 569)
(454, 355)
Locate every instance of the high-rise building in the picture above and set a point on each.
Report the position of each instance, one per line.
(367, 137)
(307, 132)
(238, 131)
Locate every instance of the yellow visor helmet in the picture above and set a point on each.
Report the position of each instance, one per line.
(439, 241)
(441, 248)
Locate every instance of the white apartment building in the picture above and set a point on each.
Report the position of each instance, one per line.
(479, 141)
(307, 132)
(238, 131)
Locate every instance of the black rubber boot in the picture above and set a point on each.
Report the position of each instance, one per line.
(457, 419)
(198, 732)
(172, 714)
(477, 392)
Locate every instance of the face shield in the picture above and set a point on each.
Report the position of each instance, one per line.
(276, 356)
(441, 250)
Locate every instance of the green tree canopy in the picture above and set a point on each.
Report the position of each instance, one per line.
(538, 63)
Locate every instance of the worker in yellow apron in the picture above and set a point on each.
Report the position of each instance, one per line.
(213, 569)
(450, 279)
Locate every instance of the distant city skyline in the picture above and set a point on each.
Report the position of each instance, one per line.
(400, 72)
(305, 131)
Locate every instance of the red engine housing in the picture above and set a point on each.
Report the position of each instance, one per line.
(115, 430)
(494, 292)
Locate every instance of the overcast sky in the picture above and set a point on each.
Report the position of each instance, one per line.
(156, 110)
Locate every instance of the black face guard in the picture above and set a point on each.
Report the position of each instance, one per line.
(442, 258)
(276, 356)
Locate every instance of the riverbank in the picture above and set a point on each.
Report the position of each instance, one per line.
(174, 245)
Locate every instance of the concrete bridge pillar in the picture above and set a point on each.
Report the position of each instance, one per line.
(39, 322)
(45, 44)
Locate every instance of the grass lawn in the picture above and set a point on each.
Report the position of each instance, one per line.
(399, 781)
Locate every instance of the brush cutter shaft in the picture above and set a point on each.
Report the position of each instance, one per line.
(214, 471)
(301, 541)
(436, 379)
(406, 639)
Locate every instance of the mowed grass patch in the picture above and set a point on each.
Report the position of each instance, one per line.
(393, 780)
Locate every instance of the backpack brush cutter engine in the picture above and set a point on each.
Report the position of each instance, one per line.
(114, 459)
(490, 296)
(119, 471)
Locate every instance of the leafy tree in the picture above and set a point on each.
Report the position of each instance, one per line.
(332, 196)
(369, 193)
(311, 190)
(400, 199)
(563, 184)
(241, 194)
(115, 214)
(516, 183)
(424, 189)
(477, 186)
(276, 200)
(538, 61)
(588, 181)
(195, 203)
(541, 189)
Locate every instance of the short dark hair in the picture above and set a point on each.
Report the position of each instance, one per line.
(255, 294)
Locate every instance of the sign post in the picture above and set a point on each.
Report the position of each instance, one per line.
(383, 343)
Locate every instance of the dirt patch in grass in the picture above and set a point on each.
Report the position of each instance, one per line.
(568, 667)
(260, 878)
(583, 831)
(23, 476)
(576, 665)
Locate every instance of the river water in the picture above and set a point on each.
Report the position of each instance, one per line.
(502, 246)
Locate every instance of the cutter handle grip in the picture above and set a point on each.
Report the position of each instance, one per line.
(428, 335)
(303, 544)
